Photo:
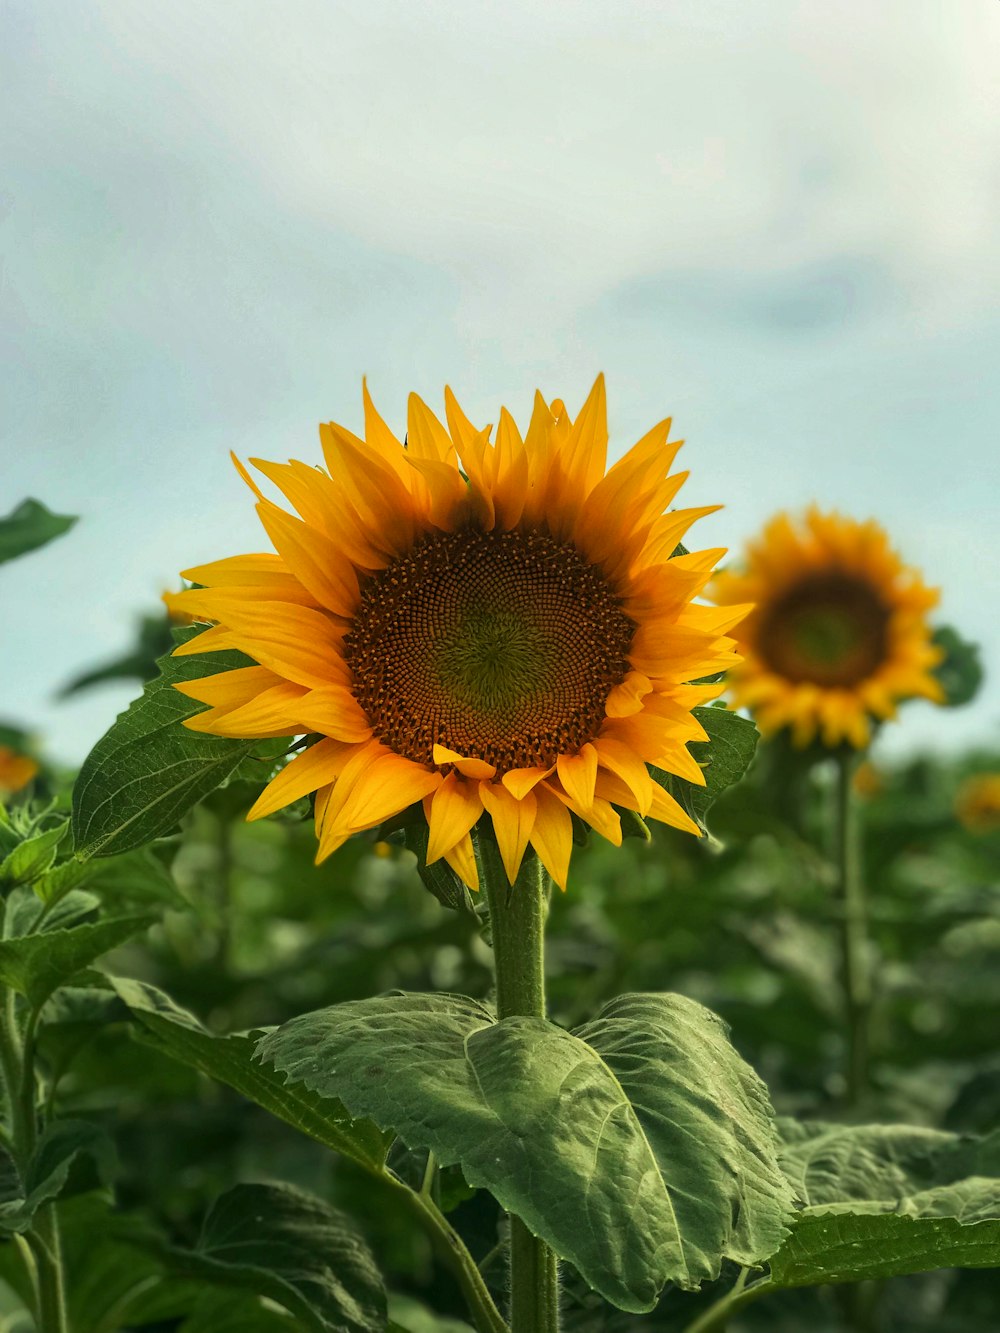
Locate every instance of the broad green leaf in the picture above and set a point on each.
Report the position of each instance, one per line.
(231, 1060)
(641, 1149)
(36, 965)
(296, 1250)
(71, 1017)
(960, 672)
(724, 758)
(886, 1200)
(29, 526)
(32, 858)
(149, 770)
(829, 1247)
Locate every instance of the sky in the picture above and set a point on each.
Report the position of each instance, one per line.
(776, 223)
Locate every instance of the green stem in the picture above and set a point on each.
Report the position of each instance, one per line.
(715, 1318)
(855, 972)
(452, 1251)
(517, 923)
(17, 1063)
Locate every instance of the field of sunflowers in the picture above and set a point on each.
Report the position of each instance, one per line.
(494, 914)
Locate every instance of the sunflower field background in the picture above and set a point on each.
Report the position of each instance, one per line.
(329, 1002)
(227, 927)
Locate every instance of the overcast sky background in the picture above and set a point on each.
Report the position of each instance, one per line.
(777, 222)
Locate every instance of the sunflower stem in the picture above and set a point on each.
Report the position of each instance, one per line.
(517, 923)
(855, 967)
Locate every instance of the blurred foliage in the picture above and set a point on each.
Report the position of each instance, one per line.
(248, 933)
(252, 933)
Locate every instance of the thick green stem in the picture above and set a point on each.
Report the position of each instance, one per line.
(517, 923)
(855, 967)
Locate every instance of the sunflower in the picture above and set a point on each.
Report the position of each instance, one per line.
(839, 633)
(977, 804)
(485, 627)
(16, 770)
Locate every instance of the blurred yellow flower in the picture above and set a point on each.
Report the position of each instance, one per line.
(867, 780)
(977, 804)
(477, 625)
(839, 632)
(16, 770)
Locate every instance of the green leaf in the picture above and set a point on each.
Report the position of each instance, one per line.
(724, 759)
(851, 1247)
(439, 878)
(236, 1312)
(231, 1060)
(71, 1156)
(641, 1149)
(960, 672)
(29, 526)
(35, 965)
(410, 1316)
(886, 1200)
(296, 1250)
(149, 770)
(32, 858)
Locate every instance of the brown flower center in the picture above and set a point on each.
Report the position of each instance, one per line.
(830, 629)
(502, 646)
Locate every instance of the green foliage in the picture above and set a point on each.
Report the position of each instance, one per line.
(602, 1142)
(29, 526)
(296, 1250)
(35, 965)
(71, 1156)
(887, 1200)
(724, 759)
(30, 859)
(231, 1061)
(960, 671)
(148, 770)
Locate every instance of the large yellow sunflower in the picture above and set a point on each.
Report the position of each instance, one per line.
(839, 631)
(483, 626)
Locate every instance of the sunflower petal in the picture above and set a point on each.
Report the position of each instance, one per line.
(513, 822)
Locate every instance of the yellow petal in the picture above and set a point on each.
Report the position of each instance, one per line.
(272, 713)
(229, 689)
(334, 711)
(462, 860)
(519, 781)
(628, 766)
(454, 808)
(468, 767)
(313, 559)
(577, 773)
(314, 768)
(552, 835)
(513, 821)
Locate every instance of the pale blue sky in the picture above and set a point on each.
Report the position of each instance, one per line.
(776, 222)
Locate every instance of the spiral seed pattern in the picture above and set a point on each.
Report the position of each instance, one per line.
(499, 645)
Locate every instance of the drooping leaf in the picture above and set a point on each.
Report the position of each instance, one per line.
(148, 769)
(887, 1200)
(35, 965)
(593, 1139)
(293, 1248)
(724, 758)
(232, 1061)
(29, 526)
